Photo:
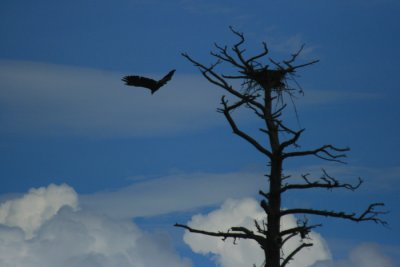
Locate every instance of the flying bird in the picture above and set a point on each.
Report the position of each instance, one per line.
(148, 83)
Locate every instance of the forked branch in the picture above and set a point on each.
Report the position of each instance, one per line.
(226, 109)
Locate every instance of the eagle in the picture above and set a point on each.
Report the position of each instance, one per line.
(148, 83)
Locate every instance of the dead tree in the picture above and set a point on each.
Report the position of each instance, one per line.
(263, 88)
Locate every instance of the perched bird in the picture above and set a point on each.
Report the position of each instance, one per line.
(148, 83)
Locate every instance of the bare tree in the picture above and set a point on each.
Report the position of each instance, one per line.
(263, 90)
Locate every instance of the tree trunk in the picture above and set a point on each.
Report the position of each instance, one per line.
(274, 199)
(273, 220)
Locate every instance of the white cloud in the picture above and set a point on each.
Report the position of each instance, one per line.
(37, 206)
(48, 226)
(246, 252)
(176, 192)
(65, 237)
(365, 255)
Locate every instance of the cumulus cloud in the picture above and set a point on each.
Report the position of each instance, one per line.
(37, 206)
(365, 255)
(57, 234)
(245, 252)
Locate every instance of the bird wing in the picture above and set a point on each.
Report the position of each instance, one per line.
(166, 78)
(140, 81)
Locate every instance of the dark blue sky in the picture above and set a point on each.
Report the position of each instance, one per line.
(66, 118)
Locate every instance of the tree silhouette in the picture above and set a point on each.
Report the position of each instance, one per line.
(263, 90)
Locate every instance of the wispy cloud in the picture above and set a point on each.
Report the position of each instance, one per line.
(45, 99)
(172, 193)
(187, 191)
(55, 100)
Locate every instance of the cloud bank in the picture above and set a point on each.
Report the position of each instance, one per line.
(246, 252)
(43, 228)
(50, 226)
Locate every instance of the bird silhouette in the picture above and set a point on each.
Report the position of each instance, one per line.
(148, 83)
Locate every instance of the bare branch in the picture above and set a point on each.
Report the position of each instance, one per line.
(259, 229)
(294, 56)
(277, 113)
(370, 214)
(326, 181)
(289, 67)
(247, 234)
(303, 230)
(262, 54)
(234, 76)
(225, 56)
(207, 71)
(302, 65)
(220, 81)
(290, 236)
(254, 109)
(265, 131)
(325, 152)
(293, 140)
(294, 252)
(236, 48)
(226, 111)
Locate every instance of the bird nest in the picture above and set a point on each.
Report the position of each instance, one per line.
(274, 80)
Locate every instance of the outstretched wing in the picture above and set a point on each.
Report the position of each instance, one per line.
(166, 78)
(140, 81)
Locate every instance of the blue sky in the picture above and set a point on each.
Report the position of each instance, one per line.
(86, 160)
